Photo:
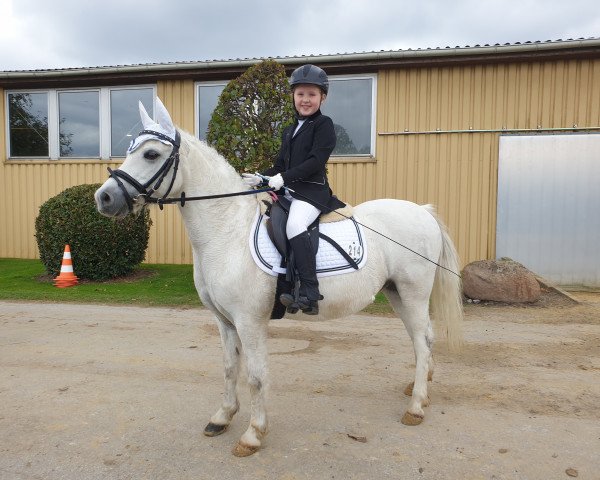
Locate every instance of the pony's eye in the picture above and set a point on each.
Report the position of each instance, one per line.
(151, 154)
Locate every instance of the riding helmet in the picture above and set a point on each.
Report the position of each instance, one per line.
(310, 74)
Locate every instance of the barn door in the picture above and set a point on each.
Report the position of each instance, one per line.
(549, 206)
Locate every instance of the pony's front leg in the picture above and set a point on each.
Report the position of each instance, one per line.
(254, 342)
(230, 342)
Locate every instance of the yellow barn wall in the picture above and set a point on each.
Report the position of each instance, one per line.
(456, 171)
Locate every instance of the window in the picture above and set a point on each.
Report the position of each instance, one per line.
(207, 95)
(125, 121)
(28, 124)
(83, 123)
(350, 103)
(79, 124)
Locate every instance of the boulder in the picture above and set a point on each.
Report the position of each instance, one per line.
(500, 281)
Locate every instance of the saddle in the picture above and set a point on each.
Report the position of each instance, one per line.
(277, 213)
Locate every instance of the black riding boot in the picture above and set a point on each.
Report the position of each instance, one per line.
(306, 265)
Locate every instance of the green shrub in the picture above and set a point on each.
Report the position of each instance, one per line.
(101, 247)
(252, 111)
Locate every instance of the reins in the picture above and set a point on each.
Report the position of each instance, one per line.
(183, 199)
(173, 161)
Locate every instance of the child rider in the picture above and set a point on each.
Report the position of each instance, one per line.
(305, 148)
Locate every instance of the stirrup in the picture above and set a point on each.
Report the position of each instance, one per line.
(308, 307)
(288, 301)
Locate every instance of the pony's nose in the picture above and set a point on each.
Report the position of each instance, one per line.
(104, 200)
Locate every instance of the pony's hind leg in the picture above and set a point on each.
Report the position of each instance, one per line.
(415, 317)
(230, 342)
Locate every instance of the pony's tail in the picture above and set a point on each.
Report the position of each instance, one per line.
(446, 296)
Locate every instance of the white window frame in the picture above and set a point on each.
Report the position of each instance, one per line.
(373, 77)
(197, 86)
(104, 133)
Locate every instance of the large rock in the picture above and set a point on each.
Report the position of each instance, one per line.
(500, 281)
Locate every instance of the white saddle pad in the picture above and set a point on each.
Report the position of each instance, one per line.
(347, 233)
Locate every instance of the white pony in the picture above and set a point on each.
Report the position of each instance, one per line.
(241, 295)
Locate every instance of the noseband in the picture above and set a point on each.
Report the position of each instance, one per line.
(146, 190)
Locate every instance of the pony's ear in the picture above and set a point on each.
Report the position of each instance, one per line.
(164, 119)
(147, 122)
(163, 125)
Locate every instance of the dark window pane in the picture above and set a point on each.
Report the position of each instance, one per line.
(125, 121)
(28, 124)
(79, 124)
(349, 104)
(208, 97)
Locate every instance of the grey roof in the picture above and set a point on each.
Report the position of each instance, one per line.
(338, 58)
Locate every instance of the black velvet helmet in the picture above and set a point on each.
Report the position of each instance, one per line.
(312, 75)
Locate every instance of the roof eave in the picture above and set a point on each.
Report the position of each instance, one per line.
(339, 62)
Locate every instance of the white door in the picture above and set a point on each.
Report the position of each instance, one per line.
(549, 206)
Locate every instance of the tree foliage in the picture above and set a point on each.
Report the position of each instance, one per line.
(102, 247)
(252, 111)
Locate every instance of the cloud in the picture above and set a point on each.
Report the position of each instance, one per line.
(38, 34)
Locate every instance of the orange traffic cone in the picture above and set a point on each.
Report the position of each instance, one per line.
(66, 278)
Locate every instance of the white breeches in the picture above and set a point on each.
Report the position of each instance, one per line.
(302, 214)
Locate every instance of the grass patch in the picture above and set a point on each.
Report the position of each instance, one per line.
(380, 306)
(151, 285)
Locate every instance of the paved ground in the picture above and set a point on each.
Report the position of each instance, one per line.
(96, 392)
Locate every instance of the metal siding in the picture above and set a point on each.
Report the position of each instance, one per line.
(452, 171)
(455, 171)
(548, 200)
(458, 171)
(26, 186)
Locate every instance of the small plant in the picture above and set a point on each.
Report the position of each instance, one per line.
(252, 111)
(102, 248)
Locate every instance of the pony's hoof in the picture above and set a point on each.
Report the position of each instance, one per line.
(212, 429)
(243, 450)
(409, 388)
(411, 419)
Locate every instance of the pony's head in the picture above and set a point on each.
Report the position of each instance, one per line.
(149, 169)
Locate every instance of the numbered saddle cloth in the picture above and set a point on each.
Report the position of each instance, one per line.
(348, 234)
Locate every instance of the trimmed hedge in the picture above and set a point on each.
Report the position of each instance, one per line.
(250, 116)
(102, 248)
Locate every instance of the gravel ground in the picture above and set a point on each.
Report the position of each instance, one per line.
(104, 392)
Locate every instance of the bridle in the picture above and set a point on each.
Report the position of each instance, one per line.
(146, 190)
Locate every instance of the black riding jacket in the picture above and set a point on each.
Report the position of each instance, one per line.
(302, 158)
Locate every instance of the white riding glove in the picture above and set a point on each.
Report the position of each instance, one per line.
(276, 181)
(251, 180)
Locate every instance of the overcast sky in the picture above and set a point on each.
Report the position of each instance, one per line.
(42, 34)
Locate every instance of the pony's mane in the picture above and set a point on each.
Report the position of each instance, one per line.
(213, 166)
